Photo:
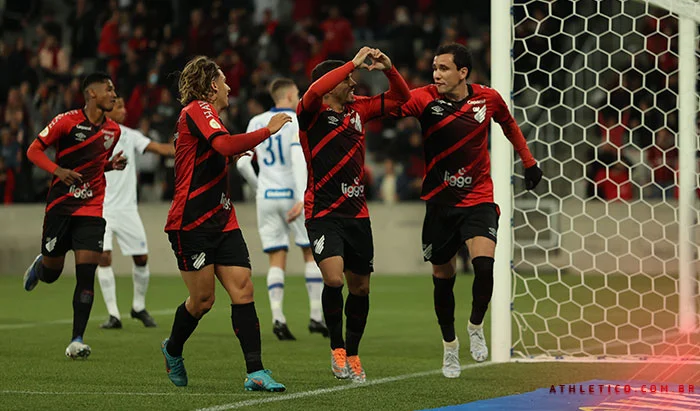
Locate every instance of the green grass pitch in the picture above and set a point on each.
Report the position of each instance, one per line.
(401, 353)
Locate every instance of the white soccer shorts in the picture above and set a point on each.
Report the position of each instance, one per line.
(273, 227)
(127, 226)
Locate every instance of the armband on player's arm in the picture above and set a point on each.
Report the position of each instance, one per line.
(36, 155)
(229, 145)
(299, 168)
(313, 98)
(245, 167)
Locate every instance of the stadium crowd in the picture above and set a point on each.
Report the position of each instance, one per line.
(142, 43)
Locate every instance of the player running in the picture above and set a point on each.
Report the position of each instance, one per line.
(331, 120)
(280, 187)
(202, 226)
(84, 141)
(458, 190)
(123, 220)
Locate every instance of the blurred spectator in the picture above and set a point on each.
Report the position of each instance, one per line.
(83, 37)
(613, 183)
(109, 47)
(7, 183)
(338, 38)
(387, 184)
(662, 158)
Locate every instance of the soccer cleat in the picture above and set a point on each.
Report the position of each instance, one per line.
(282, 331)
(477, 343)
(339, 364)
(262, 381)
(31, 279)
(175, 366)
(357, 373)
(318, 327)
(450, 359)
(77, 350)
(112, 323)
(145, 318)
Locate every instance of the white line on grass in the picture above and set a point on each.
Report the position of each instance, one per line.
(70, 321)
(185, 394)
(323, 391)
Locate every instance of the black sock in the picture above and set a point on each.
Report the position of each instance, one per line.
(356, 310)
(244, 320)
(482, 288)
(444, 300)
(332, 300)
(183, 326)
(46, 274)
(82, 297)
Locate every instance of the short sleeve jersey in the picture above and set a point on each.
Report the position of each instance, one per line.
(84, 148)
(334, 148)
(121, 186)
(201, 201)
(455, 143)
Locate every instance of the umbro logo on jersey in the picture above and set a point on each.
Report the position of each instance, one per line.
(199, 260)
(50, 244)
(437, 110)
(83, 127)
(427, 251)
(80, 136)
(480, 115)
(332, 120)
(318, 244)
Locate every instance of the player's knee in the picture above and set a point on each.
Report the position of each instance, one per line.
(444, 271)
(483, 266)
(49, 275)
(105, 259)
(359, 290)
(333, 281)
(140, 260)
(202, 304)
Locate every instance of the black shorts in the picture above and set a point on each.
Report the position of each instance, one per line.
(350, 238)
(446, 228)
(196, 249)
(62, 233)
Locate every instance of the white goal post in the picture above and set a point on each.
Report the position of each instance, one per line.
(608, 278)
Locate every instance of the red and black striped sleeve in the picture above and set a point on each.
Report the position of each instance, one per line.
(511, 130)
(49, 136)
(420, 98)
(312, 100)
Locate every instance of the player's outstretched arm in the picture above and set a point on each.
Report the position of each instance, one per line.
(313, 98)
(162, 149)
(245, 168)
(398, 93)
(38, 157)
(229, 145)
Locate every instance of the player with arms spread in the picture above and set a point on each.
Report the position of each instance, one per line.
(123, 220)
(280, 186)
(457, 187)
(331, 120)
(84, 141)
(202, 226)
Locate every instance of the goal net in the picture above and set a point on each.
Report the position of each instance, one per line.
(599, 269)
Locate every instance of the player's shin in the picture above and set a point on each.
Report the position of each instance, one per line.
(482, 288)
(82, 298)
(105, 276)
(356, 311)
(444, 302)
(246, 326)
(275, 292)
(332, 299)
(314, 286)
(183, 326)
(141, 276)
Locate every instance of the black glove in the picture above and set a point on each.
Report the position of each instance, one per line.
(533, 175)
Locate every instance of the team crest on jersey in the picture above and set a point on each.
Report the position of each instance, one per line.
(480, 113)
(437, 110)
(109, 140)
(355, 121)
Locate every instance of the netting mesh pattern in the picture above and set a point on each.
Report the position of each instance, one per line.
(595, 247)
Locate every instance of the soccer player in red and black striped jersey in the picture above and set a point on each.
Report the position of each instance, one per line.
(84, 141)
(457, 187)
(331, 121)
(202, 225)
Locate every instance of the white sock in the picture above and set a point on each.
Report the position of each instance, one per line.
(105, 275)
(141, 275)
(314, 286)
(275, 290)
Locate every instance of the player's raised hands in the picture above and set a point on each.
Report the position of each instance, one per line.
(69, 177)
(277, 121)
(361, 56)
(380, 61)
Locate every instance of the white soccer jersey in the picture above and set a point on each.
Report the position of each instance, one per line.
(120, 193)
(276, 176)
